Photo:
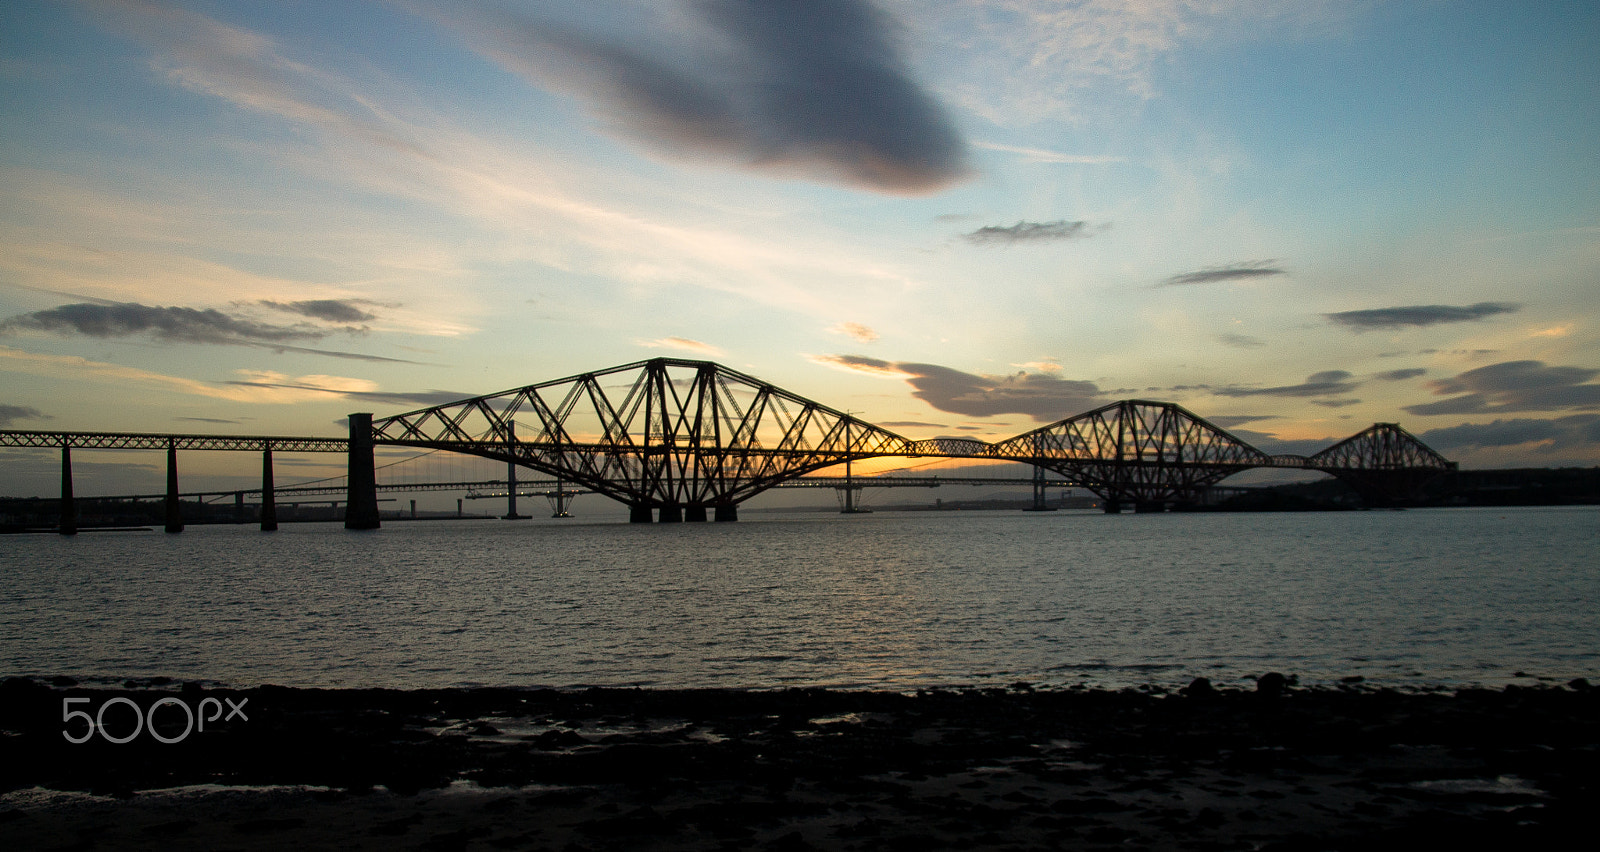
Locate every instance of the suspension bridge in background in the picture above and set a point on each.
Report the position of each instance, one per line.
(681, 440)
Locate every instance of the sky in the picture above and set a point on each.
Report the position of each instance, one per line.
(949, 217)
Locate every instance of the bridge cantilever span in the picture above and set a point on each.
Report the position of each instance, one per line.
(690, 440)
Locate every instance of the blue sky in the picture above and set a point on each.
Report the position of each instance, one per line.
(1295, 218)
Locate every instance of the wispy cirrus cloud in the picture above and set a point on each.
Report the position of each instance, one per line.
(1243, 271)
(250, 388)
(1419, 315)
(1514, 386)
(1041, 155)
(683, 343)
(855, 330)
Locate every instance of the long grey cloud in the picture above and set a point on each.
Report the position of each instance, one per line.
(1513, 386)
(1027, 232)
(330, 310)
(175, 324)
(1554, 433)
(1326, 383)
(180, 325)
(817, 87)
(1234, 272)
(1419, 315)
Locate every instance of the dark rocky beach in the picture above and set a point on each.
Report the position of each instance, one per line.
(1269, 767)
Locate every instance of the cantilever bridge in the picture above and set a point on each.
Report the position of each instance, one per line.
(682, 440)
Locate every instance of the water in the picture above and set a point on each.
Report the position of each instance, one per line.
(891, 600)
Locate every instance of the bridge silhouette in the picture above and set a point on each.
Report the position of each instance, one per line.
(684, 440)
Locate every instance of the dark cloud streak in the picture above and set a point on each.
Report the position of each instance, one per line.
(1027, 232)
(1419, 315)
(330, 310)
(1327, 383)
(1237, 272)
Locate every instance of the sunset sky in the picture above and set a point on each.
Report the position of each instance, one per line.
(951, 217)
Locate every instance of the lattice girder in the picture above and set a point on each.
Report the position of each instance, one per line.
(684, 433)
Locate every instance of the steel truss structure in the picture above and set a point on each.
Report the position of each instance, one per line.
(677, 436)
(686, 438)
(1148, 454)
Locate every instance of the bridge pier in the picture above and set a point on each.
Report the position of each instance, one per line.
(1149, 507)
(695, 513)
(1111, 506)
(174, 506)
(727, 513)
(69, 506)
(361, 481)
(672, 514)
(269, 501)
(639, 513)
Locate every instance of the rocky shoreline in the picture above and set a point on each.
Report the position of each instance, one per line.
(1274, 767)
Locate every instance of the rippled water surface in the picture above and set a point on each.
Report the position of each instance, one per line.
(895, 600)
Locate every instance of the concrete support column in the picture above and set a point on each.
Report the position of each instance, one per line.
(69, 507)
(1112, 506)
(695, 513)
(361, 484)
(269, 501)
(638, 513)
(727, 513)
(174, 509)
(672, 514)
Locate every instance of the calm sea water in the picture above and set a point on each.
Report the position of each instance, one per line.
(890, 600)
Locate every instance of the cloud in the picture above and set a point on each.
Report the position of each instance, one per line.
(205, 420)
(11, 413)
(331, 310)
(1513, 386)
(350, 389)
(1419, 315)
(1047, 366)
(1241, 341)
(1551, 434)
(817, 88)
(1335, 403)
(1027, 232)
(1228, 421)
(860, 364)
(1327, 383)
(1042, 397)
(178, 325)
(1040, 155)
(1242, 271)
(1401, 375)
(1039, 395)
(856, 330)
(911, 424)
(681, 343)
(75, 368)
